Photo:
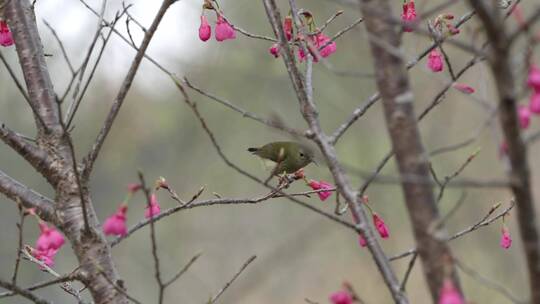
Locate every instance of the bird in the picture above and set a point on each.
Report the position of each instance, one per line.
(289, 156)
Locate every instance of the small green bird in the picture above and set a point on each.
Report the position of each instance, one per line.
(289, 156)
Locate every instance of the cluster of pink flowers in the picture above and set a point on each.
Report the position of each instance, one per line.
(378, 222)
(223, 29)
(449, 294)
(408, 16)
(318, 44)
(48, 244)
(6, 39)
(321, 185)
(435, 61)
(115, 224)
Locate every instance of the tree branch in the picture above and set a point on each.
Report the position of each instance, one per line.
(501, 66)
(397, 97)
(28, 197)
(122, 93)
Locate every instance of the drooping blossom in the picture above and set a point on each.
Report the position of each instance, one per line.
(533, 79)
(288, 28)
(464, 88)
(224, 30)
(49, 238)
(341, 297)
(380, 226)
(408, 15)
(318, 185)
(6, 39)
(154, 208)
(116, 223)
(435, 61)
(449, 294)
(274, 50)
(506, 239)
(362, 241)
(45, 256)
(205, 31)
(524, 115)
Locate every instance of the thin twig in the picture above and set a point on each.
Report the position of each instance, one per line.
(222, 290)
(122, 93)
(498, 287)
(20, 226)
(23, 292)
(183, 270)
(157, 270)
(481, 223)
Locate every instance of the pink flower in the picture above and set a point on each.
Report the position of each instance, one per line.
(380, 225)
(224, 30)
(45, 256)
(320, 46)
(435, 62)
(116, 223)
(274, 50)
(321, 41)
(464, 88)
(533, 80)
(524, 115)
(362, 241)
(205, 31)
(534, 103)
(153, 209)
(323, 195)
(506, 240)
(49, 238)
(287, 27)
(408, 15)
(5, 34)
(341, 297)
(449, 294)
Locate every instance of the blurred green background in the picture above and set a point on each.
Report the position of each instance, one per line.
(300, 253)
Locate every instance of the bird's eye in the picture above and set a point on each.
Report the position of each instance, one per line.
(301, 154)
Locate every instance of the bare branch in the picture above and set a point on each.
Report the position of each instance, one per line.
(498, 287)
(23, 293)
(183, 270)
(222, 290)
(28, 197)
(122, 93)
